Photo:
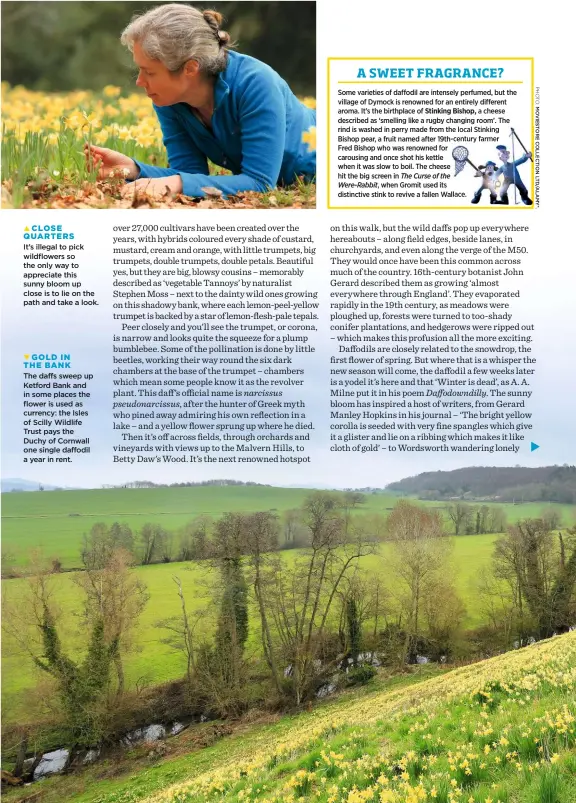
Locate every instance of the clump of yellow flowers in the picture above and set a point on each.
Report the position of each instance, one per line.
(478, 734)
(101, 117)
(47, 131)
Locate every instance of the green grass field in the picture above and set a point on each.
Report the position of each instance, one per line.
(56, 520)
(498, 731)
(156, 662)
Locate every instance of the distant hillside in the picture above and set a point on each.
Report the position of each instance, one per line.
(26, 485)
(505, 484)
(190, 484)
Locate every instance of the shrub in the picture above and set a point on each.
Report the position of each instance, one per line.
(361, 675)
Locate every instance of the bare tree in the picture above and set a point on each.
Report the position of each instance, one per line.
(8, 563)
(482, 517)
(459, 514)
(509, 567)
(301, 595)
(79, 687)
(102, 540)
(115, 594)
(291, 527)
(195, 539)
(166, 550)
(444, 613)
(28, 608)
(152, 538)
(379, 604)
(497, 519)
(183, 634)
(542, 568)
(260, 542)
(349, 502)
(552, 517)
(225, 663)
(421, 551)
(497, 602)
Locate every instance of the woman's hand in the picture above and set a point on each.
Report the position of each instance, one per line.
(109, 163)
(153, 187)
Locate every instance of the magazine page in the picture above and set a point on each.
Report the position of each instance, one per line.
(288, 481)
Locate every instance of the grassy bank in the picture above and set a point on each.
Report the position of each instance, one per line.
(499, 731)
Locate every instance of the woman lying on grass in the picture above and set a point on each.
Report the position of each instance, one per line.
(212, 103)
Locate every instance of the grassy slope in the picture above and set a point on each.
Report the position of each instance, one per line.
(42, 519)
(155, 662)
(503, 730)
(56, 520)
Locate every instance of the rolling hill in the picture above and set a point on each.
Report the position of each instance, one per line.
(499, 731)
(499, 483)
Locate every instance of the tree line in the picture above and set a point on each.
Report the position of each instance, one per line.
(270, 627)
(197, 539)
(154, 543)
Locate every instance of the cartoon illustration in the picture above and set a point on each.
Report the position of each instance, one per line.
(487, 173)
(510, 173)
(491, 175)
